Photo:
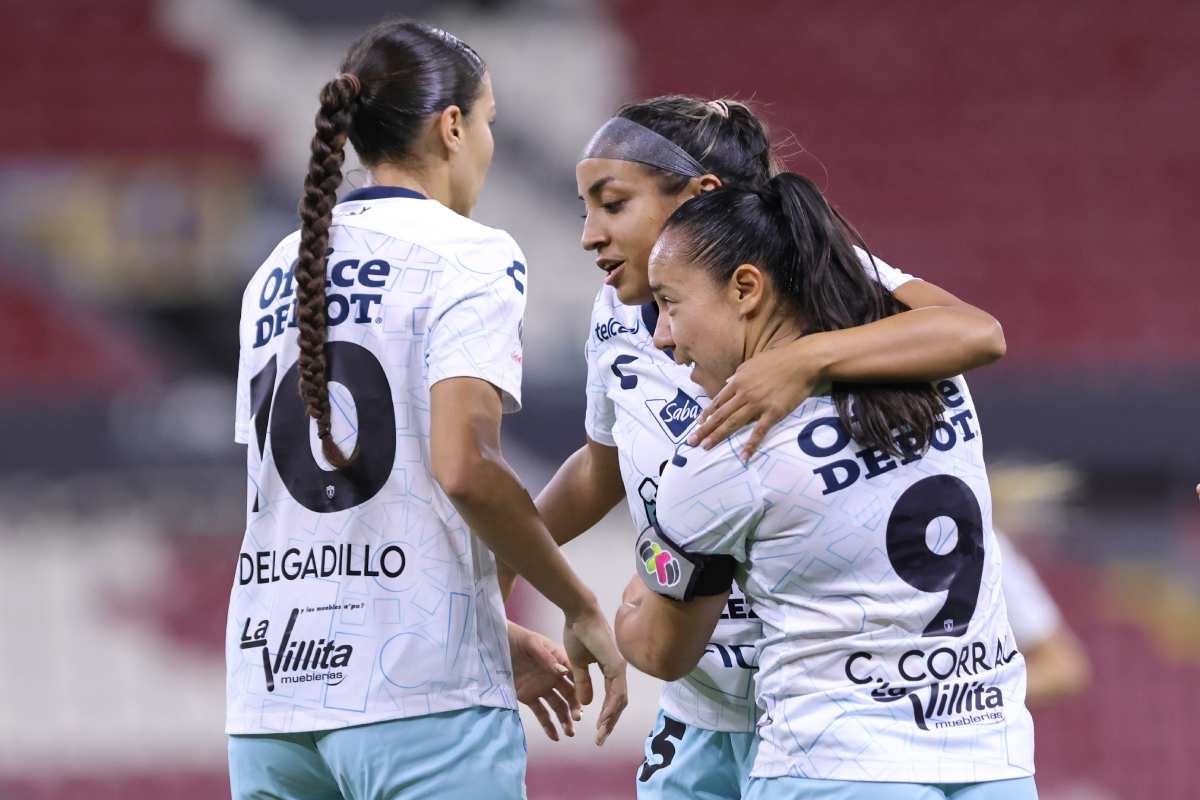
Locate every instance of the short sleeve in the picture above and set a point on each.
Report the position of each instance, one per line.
(601, 413)
(888, 276)
(477, 327)
(709, 502)
(241, 413)
(241, 418)
(1031, 611)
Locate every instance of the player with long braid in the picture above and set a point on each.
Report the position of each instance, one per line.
(367, 650)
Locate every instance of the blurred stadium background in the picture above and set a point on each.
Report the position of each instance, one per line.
(1039, 159)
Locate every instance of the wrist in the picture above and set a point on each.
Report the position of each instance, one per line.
(584, 604)
(817, 353)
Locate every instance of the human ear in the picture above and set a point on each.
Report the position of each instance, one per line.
(450, 128)
(698, 186)
(748, 287)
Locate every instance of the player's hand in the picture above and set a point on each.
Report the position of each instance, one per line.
(763, 390)
(588, 639)
(542, 675)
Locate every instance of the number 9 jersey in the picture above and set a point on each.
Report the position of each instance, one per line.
(360, 595)
(886, 652)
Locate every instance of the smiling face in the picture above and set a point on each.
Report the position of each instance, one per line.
(626, 209)
(702, 321)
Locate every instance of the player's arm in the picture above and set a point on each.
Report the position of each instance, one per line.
(941, 336)
(664, 637)
(1056, 667)
(582, 491)
(468, 465)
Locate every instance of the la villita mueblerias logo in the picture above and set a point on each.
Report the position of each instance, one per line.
(297, 660)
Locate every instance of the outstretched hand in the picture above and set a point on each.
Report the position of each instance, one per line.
(542, 675)
(762, 391)
(588, 639)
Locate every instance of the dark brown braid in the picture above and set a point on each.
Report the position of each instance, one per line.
(316, 214)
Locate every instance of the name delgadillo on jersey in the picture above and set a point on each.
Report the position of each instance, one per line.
(360, 595)
(886, 651)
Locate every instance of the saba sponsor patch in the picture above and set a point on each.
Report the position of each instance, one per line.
(676, 415)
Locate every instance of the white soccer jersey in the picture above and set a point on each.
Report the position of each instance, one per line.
(886, 652)
(644, 404)
(361, 595)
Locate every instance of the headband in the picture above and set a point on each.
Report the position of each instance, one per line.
(625, 140)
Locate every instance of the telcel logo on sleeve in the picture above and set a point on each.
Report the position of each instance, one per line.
(659, 563)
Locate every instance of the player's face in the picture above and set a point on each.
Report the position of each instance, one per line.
(698, 318)
(626, 210)
(471, 166)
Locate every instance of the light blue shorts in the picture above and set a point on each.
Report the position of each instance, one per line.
(684, 762)
(814, 789)
(467, 754)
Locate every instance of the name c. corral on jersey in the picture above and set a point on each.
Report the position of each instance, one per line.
(956, 685)
(825, 437)
(350, 273)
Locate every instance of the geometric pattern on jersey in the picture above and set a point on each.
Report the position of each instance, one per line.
(361, 595)
(644, 404)
(886, 653)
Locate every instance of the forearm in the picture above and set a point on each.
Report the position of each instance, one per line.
(662, 637)
(923, 344)
(500, 512)
(582, 491)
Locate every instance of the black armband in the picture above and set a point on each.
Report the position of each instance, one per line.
(672, 572)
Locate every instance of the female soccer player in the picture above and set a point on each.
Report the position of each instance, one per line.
(860, 532)
(366, 650)
(639, 167)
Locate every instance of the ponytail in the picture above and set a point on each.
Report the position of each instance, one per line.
(788, 229)
(828, 284)
(316, 214)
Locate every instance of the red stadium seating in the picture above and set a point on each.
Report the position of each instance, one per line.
(99, 79)
(1039, 159)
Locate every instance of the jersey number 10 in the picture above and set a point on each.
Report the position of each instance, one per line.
(284, 415)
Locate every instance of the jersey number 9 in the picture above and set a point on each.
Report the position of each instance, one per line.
(957, 572)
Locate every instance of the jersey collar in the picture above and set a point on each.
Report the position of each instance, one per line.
(650, 319)
(381, 193)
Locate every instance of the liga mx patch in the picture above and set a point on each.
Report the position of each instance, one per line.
(677, 415)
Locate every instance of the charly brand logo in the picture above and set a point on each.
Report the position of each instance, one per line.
(607, 330)
(659, 563)
(676, 415)
(956, 686)
(297, 661)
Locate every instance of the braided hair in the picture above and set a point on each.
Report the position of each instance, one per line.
(392, 79)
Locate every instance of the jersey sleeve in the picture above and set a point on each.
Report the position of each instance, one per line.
(709, 502)
(888, 276)
(242, 410)
(1031, 611)
(241, 418)
(601, 413)
(477, 325)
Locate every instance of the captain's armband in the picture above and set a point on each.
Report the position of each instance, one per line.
(671, 572)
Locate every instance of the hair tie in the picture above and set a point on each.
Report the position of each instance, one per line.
(355, 83)
(720, 107)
